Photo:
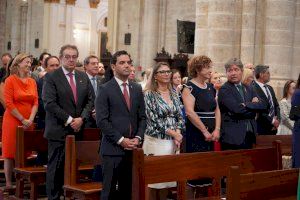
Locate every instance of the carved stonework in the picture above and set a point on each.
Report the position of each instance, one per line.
(51, 1)
(94, 3)
(70, 2)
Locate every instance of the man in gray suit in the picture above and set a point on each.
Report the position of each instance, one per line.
(68, 100)
(91, 66)
(120, 114)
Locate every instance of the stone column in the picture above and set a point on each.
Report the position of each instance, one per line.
(69, 23)
(14, 25)
(150, 33)
(112, 25)
(279, 36)
(93, 33)
(3, 43)
(296, 48)
(218, 30)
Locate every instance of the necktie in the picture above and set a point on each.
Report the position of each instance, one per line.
(240, 89)
(272, 110)
(94, 84)
(73, 86)
(126, 95)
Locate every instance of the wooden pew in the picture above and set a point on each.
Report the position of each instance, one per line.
(266, 141)
(28, 141)
(80, 153)
(277, 184)
(157, 169)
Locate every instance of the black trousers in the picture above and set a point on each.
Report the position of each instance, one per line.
(117, 177)
(250, 139)
(55, 169)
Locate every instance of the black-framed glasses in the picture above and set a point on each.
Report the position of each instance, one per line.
(168, 72)
(68, 57)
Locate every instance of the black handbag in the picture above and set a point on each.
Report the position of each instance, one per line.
(295, 113)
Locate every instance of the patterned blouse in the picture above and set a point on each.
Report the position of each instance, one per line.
(161, 116)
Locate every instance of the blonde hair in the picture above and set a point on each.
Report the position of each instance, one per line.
(246, 74)
(14, 69)
(151, 83)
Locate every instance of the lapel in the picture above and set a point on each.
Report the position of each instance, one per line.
(65, 83)
(131, 94)
(260, 92)
(235, 92)
(119, 92)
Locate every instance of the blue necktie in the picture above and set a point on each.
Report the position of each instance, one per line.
(272, 110)
(94, 84)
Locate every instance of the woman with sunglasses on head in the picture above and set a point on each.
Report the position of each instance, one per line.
(164, 119)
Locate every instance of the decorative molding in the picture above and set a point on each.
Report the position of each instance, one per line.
(70, 2)
(52, 1)
(94, 3)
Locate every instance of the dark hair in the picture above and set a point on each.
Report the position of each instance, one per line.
(48, 58)
(87, 59)
(7, 72)
(197, 63)
(286, 88)
(7, 54)
(174, 71)
(260, 69)
(298, 82)
(234, 61)
(67, 46)
(42, 56)
(115, 56)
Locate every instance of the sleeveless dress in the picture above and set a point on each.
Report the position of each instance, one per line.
(205, 105)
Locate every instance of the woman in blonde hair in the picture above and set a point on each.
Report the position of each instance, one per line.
(248, 77)
(164, 119)
(21, 100)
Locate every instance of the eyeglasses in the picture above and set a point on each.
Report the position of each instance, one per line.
(68, 57)
(167, 72)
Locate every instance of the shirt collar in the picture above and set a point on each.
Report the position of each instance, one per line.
(90, 76)
(120, 82)
(66, 72)
(260, 84)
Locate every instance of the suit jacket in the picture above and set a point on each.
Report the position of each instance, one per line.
(264, 121)
(59, 102)
(114, 118)
(235, 115)
(91, 122)
(41, 114)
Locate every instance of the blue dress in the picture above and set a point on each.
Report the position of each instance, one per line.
(296, 132)
(205, 105)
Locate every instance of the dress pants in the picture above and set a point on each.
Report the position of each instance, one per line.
(55, 169)
(250, 139)
(117, 177)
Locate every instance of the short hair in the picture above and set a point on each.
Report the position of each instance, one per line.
(197, 63)
(87, 59)
(260, 69)
(48, 58)
(115, 56)
(234, 61)
(42, 56)
(6, 54)
(286, 88)
(67, 46)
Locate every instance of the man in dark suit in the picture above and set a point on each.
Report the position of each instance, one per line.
(268, 121)
(238, 105)
(120, 114)
(91, 66)
(68, 101)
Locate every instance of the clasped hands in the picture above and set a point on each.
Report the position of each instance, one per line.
(130, 144)
(214, 136)
(26, 123)
(76, 124)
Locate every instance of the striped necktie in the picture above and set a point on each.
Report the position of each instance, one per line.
(272, 110)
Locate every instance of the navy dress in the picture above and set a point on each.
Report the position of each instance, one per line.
(296, 131)
(205, 105)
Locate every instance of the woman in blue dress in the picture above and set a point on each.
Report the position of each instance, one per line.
(295, 115)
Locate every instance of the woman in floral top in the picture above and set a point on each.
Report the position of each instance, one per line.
(164, 119)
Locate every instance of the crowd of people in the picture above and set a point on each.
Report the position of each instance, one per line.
(164, 114)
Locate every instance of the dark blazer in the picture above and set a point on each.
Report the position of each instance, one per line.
(264, 121)
(59, 102)
(114, 118)
(91, 122)
(41, 114)
(235, 115)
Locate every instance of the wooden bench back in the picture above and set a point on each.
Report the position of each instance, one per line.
(183, 167)
(91, 134)
(278, 184)
(79, 153)
(266, 141)
(28, 141)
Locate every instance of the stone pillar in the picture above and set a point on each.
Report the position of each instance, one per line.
(150, 33)
(93, 33)
(112, 25)
(14, 26)
(279, 34)
(218, 30)
(3, 43)
(69, 24)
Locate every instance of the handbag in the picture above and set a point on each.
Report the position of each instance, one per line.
(294, 113)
